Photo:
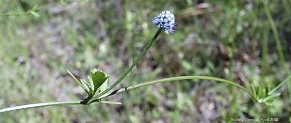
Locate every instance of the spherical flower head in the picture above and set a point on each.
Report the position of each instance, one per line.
(165, 20)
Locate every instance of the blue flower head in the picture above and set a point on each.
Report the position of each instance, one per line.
(165, 20)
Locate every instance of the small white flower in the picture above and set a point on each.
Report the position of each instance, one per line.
(165, 20)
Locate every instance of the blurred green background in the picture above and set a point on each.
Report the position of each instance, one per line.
(233, 40)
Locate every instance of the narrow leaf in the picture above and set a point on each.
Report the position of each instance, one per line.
(87, 86)
(81, 84)
(254, 90)
(272, 96)
(280, 85)
(35, 14)
(91, 83)
(111, 102)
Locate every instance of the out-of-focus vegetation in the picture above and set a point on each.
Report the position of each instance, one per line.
(233, 40)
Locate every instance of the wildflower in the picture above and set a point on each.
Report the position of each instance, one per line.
(165, 20)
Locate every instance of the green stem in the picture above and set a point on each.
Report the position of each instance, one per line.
(280, 85)
(276, 36)
(178, 79)
(13, 14)
(131, 66)
(264, 53)
(37, 105)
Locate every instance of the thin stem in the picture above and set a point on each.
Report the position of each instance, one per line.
(276, 36)
(132, 65)
(280, 85)
(264, 54)
(37, 105)
(178, 79)
(14, 14)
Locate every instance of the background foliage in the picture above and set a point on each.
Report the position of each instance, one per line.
(227, 39)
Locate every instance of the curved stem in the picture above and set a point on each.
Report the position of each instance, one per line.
(130, 88)
(37, 105)
(13, 14)
(132, 65)
(178, 79)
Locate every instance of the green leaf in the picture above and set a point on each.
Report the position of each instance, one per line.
(254, 90)
(33, 13)
(98, 78)
(111, 102)
(91, 85)
(103, 87)
(86, 86)
(80, 83)
(272, 96)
